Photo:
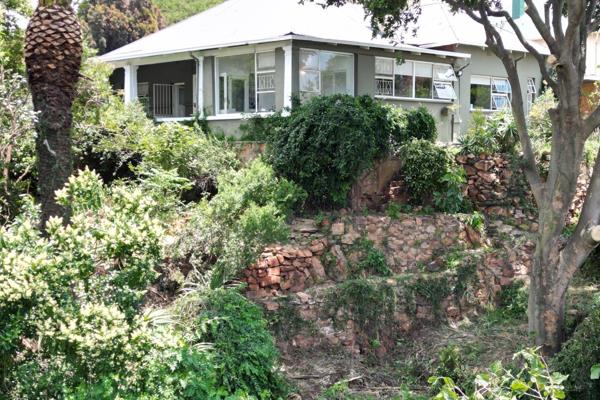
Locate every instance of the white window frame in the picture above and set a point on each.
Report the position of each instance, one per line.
(496, 92)
(218, 75)
(531, 93)
(413, 97)
(318, 70)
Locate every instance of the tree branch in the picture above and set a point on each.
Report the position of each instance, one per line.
(541, 60)
(591, 122)
(495, 43)
(541, 27)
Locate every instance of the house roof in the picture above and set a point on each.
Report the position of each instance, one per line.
(239, 22)
(445, 28)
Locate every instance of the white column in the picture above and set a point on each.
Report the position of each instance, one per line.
(287, 77)
(130, 89)
(200, 85)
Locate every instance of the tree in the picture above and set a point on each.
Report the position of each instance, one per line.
(11, 34)
(115, 23)
(564, 26)
(53, 51)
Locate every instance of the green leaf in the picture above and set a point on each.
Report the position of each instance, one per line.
(519, 386)
(595, 374)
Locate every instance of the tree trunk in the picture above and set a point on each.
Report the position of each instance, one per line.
(54, 160)
(546, 309)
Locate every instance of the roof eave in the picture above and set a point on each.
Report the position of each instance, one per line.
(122, 59)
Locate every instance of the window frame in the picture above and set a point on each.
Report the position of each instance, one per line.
(319, 92)
(413, 97)
(494, 92)
(218, 75)
(531, 93)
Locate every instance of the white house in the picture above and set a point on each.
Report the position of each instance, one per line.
(247, 57)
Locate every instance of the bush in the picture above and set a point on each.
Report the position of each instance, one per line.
(417, 123)
(227, 233)
(449, 197)
(578, 355)
(424, 166)
(478, 138)
(17, 144)
(326, 143)
(80, 289)
(244, 350)
(533, 380)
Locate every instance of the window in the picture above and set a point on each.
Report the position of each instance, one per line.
(246, 83)
(265, 81)
(531, 92)
(490, 93)
(325, 73)
(414, 79)
(143, 91)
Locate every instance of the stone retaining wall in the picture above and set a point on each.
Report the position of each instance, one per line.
(326, 252)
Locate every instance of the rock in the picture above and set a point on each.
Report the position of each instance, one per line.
(488, 177)
(337, 229)
(317, 271)
(484, 165)
(272, 306)
(305, 226)
(273, 261)
(350, 237)
(341, 264)
(303, 297)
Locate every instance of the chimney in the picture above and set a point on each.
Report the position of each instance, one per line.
(518, 8)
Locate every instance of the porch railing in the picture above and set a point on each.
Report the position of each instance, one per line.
(162, 100)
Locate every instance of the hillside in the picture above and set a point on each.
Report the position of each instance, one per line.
(174, 10)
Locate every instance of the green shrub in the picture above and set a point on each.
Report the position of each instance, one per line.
(450, 195)
(326, 143)
(372, 262)
(578, 355)
(424, 167)
(244, 350)
(533, 380)
(79, 288)
(417, 123)
(478, 139)
(17, 144)
(489, 134)
(226, 233)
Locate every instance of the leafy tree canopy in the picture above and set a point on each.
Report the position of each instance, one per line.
(176, 10)
(11, 34)
(111, 24)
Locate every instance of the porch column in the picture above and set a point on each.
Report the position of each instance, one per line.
(130, 88)
(200, 85)
(287, 77)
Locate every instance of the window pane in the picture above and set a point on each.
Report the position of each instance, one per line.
(423, 70)
(405, 68)
(236, 83)
(499, 101)
(265, 61)
(266, 102)
(423, 87)
(384, 87)
(309, 59)
(404, 85)
(480, 96)
(403, 79)
(501, 85)
(266, 82)
(309, 81)
(531, 88)
(384, 66)
(444, 90)
(444, 73)
(337, 73)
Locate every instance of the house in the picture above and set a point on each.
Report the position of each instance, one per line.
(250, 57)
